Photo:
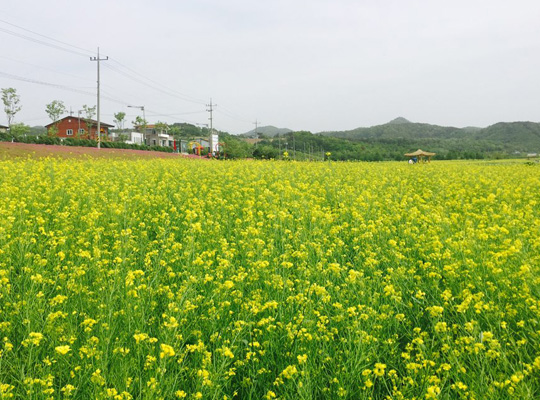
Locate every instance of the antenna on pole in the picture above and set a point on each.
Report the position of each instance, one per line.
(98, 120)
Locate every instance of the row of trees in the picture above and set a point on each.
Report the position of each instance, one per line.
(54, 110)
(11, 101)
(298, 145)
(305, 145)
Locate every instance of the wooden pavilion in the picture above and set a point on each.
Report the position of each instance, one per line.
(420, 154)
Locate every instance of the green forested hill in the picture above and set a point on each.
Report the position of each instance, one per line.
(509, 136)
(523, 136)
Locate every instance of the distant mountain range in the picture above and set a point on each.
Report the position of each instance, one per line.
(269, 131)
(523, 136)
(519, 136)
(507, 137)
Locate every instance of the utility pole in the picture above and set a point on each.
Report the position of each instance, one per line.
(98, 121)
(79, 118)
(210, 109)
(256, 123)
(144, 119)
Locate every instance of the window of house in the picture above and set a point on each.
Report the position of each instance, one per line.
(81, 131)
(154, 142)
(69, 132)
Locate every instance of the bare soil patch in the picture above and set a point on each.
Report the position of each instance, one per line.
(23, 150)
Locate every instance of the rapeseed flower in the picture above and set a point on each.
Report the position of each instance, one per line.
(62, 349)
(257, 278)
(166, 351)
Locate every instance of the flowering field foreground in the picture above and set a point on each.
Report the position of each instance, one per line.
(184, 279)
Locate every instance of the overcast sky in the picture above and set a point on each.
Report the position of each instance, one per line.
(305, 65)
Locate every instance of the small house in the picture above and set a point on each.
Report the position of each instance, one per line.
(81, 128)
(156, 136)
(134, 138)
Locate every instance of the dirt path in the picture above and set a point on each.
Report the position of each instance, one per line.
(17, 150)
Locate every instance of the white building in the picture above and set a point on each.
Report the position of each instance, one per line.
(135, 138)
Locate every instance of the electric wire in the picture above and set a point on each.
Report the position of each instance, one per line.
(75, 90)
(47, 37)
(42, 42)
(194, 99)
(58, 86)
(135, 79)
(47, 69)
(231, 115)
(169, 91)
(129, 75)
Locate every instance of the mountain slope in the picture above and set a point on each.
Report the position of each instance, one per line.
(526, 133)
(269, 131)
(517, 136)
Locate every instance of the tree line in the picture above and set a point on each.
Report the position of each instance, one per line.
(302, 145)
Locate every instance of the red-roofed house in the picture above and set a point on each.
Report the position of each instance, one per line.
(74, 127)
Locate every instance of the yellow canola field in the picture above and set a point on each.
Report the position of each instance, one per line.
(163, 279)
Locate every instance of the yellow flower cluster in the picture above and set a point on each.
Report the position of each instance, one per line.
(124, 279)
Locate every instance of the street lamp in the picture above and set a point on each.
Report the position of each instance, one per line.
(144, 115)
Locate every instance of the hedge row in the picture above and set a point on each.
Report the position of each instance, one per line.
(5, 137)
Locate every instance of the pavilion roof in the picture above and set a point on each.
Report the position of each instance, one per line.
(420, 152)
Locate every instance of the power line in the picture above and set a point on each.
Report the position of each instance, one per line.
(42, 42)
(232, 116)
(168, 91)
(173, 115)
(135, 79)
(30, 80)
(45, 68)
(110, 96)
(75, 90)
(157, 114)
(233, 113)
(47, 37)
(194, 99)
(57, 86)
(84, 52)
